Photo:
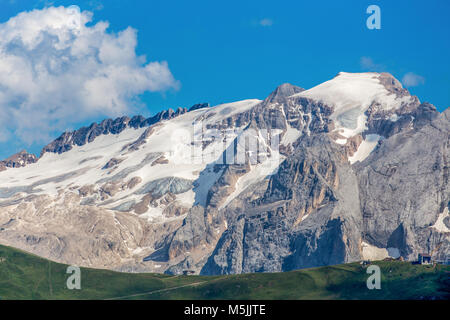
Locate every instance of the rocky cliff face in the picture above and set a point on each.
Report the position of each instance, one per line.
(355, 168)
(404, 187)
(320, 210)
(18, 160)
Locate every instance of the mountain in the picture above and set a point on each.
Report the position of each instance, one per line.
(354, 168)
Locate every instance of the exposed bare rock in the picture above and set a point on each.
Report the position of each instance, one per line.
(393, 85)
(142, 206)
(20, 159)
(308, 184)
(160, 160)
(396, 182)
(225, 185)
(199, 106)
(133, 182)
(174, 210)
(282, 92)
(82, 235)
(352, 144)
(196, 233)
(86, 190)
(112, 163)
(110, 189)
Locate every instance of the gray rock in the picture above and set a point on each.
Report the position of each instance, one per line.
(404, 185)
(282, 92)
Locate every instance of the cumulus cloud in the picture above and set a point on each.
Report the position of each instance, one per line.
(412, 80)
(266, 22)
(55, 70)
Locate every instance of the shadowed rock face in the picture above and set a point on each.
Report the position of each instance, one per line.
(18, 160)
(282, 92)
(315, 209)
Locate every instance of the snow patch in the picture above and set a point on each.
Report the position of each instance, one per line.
(394, 117)
(370, 252)
(341, 141)
(439, 225)
(365, 148)
(291, 135)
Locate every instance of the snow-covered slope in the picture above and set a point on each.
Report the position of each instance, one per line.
(103, 168)
(349, 91)
(351, 95)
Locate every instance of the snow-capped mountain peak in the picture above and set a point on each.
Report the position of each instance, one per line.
(347, 91)
(351, 94)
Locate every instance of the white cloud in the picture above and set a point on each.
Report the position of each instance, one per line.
(266, 22)
(368, 64)
(56, 71)
(95, 5)
(412, 80)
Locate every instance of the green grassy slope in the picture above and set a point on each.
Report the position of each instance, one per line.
(25, 276)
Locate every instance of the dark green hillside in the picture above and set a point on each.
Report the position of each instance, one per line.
(25, 276)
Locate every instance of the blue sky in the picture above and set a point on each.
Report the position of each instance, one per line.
(232, 50)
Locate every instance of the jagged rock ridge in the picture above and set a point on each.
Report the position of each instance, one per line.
(17, 160)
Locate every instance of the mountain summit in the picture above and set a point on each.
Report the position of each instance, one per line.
(283, 91)
(19, 159)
